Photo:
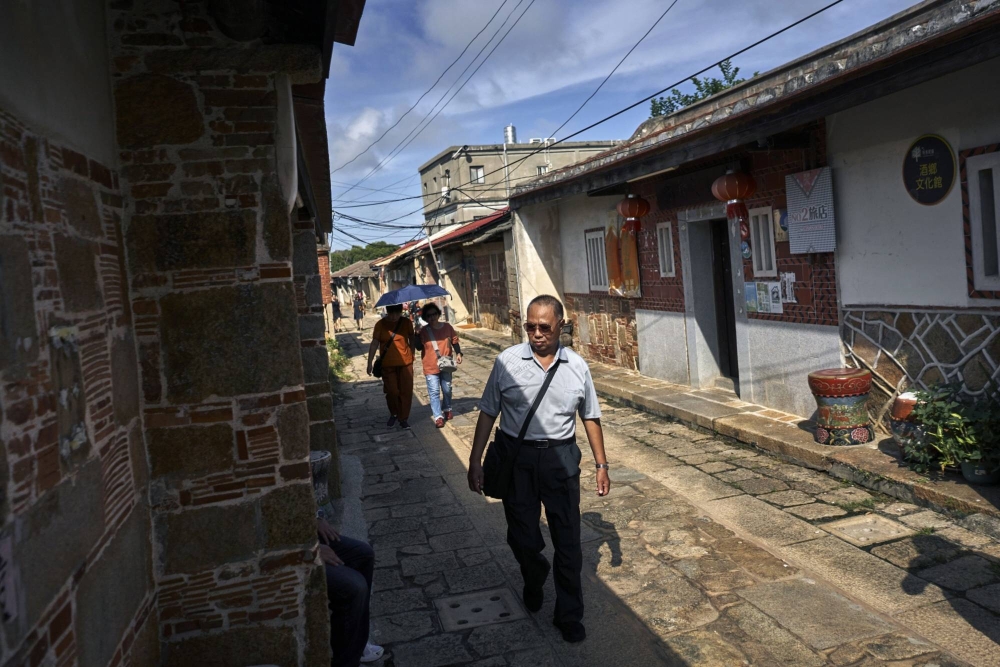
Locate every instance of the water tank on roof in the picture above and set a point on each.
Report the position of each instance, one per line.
(510, 134)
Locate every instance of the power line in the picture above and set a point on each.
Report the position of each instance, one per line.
(436, 81)
(662, 91)
(394, 152)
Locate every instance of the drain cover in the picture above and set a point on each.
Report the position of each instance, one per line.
(480, 608)
(867, 529)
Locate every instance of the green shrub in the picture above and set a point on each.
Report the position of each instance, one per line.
(954, 427)
(338, 360)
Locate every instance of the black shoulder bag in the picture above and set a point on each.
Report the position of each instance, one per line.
(377, 366)
(498, 465)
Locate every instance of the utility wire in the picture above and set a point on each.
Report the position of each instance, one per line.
(394, 152)
(662, 91)
(436, 82)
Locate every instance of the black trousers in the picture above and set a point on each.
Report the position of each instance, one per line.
(549, 477)
(348, 588)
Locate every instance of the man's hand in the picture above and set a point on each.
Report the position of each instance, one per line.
(326, 532)
(369, 368)
(475, 477)
(329, 556)
(603, 482)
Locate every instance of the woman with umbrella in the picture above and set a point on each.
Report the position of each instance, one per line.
(392, 338)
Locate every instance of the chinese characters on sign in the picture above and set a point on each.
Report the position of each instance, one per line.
(810, 211)
(929, 169)
(763, 298)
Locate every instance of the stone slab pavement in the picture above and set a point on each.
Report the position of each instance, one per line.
(706, 552)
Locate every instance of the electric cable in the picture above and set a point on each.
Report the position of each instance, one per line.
(436, 82)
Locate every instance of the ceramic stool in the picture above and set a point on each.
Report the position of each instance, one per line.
(319, 461)
(841, 406)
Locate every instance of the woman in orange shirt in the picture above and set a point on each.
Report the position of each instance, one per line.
(392, 338)
(442, 336)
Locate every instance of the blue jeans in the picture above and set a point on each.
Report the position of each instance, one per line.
(439, 391)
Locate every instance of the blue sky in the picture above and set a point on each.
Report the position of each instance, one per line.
(548, 64)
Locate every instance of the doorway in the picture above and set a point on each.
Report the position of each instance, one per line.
(725, 305)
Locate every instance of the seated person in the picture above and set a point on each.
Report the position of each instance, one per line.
(349, 566)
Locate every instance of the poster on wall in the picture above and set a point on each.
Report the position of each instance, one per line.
(788, 288)
(780, 225)
(929, 169)
(769, 298)
(750, 292)
(810, 211)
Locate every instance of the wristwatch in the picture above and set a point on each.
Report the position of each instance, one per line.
(602, 465)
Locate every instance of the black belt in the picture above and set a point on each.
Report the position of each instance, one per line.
(545, 444)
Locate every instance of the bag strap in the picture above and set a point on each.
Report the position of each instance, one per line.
(381, 353)
(538, 399)
(430, 334)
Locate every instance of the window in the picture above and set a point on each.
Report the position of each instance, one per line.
(541, 169)
(984, 210)
(496, 267)
(762, 243)
(597, 266)
(476, 175)
(665, 247)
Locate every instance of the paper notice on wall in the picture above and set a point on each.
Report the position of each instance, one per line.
(769, 298)
(788, 288)
(750, 292)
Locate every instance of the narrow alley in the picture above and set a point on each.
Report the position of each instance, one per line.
(705, 552)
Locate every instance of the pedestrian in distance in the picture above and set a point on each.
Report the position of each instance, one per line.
(359, 309)
(537, 389)
(350, 565)
(441, 355)
(393, 339)
(337, 314)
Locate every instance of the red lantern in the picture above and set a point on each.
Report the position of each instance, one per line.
(734, 185)
(633, 207)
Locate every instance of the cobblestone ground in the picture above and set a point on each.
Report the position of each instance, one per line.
(705, 553)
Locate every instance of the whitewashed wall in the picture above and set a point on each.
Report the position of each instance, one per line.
(892, 250)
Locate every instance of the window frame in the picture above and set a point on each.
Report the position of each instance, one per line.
(668, 226)
(593, 240)
(975, 164)
(755, 242)
(494, 267)
(541, 169)
(477, 177)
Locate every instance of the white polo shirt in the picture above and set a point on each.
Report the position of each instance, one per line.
(515, 381)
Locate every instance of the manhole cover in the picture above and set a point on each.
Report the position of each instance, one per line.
(391, 437)
(480, 608)
(868, 529)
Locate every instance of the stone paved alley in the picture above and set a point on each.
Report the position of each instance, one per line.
(705, 552)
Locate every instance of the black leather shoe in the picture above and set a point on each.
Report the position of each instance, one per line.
(533, 598)
(572, 631)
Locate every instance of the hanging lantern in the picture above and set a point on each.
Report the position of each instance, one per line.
(733, 188)
(734, 185)
(632, 208)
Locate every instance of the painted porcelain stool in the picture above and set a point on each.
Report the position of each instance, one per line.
(841, 406)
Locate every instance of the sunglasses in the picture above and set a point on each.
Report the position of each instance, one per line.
(544, 328)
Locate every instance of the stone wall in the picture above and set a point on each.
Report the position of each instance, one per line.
(604, 328)
(229, 328)
(907, 349)
(75, 553)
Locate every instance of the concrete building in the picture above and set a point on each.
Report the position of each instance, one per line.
(465, 183)
(163, 195)
(904, 287)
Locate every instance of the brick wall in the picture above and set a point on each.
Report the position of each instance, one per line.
(323, 257)
(75, 582)
(227, 303)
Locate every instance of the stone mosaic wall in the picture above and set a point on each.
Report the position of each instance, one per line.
(75, 576)
(604, 329)
(920, 348)
(494, 305)
(228, 319)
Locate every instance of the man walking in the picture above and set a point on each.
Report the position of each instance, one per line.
(547, 464)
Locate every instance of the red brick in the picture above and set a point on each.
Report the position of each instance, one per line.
(250, 81)
(295, 396)
(295, 471)
(239, 98)
(75, 162)
(257, 616)
(150, 190)
(197, 169)
(212, 416)
(255, 419)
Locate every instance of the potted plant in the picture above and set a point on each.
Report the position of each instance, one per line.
(980, 459)
(944, 430)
